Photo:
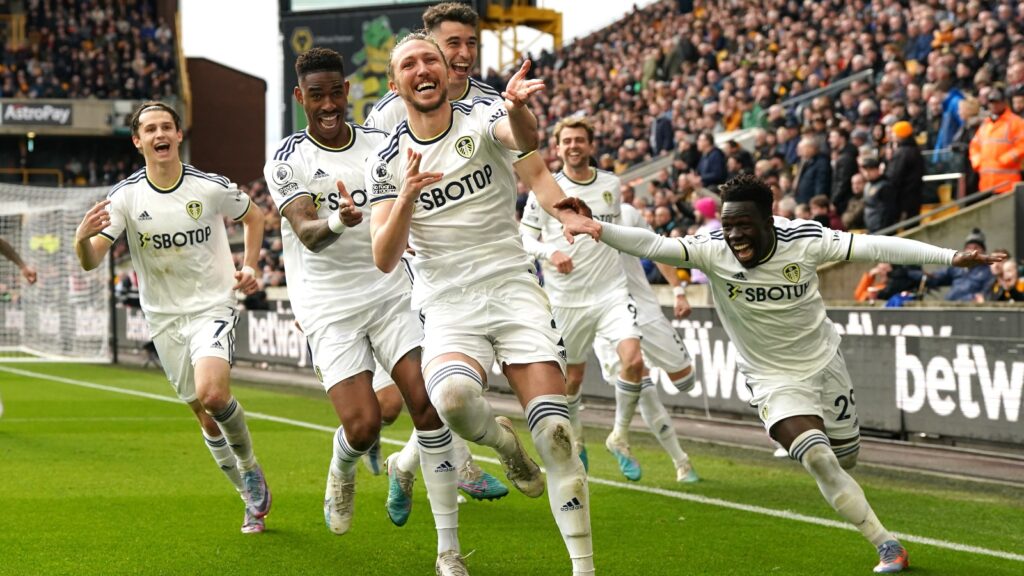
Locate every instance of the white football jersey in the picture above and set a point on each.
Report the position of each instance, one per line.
(390, 110)
(773, 312)
(648, 309)
(177, 240)
(463, 228)
(597, 274)
(342, 278)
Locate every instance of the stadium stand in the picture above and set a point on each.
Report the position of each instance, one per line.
(788, 71)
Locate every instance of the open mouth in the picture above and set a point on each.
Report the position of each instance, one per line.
(329, 121)
(162, 147)
(461, 68)
(744, 251)
(425, 87)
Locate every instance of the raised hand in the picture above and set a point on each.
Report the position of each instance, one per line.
(414, 179)
(970, 258)
(519, 89)
(350, 215)
(96, 219)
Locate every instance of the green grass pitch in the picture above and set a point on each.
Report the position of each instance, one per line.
(98, 482)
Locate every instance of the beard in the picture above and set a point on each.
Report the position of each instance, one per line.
(427, 107)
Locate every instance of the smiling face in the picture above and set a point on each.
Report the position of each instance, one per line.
(158, 137)
(574, 147)
(459, 43)
(748, 232)
(420, 75)
(324, 98)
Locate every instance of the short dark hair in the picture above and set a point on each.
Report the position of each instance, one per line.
(843, 133)
(449, 12)
(150, 106)
(318, 59)
(748, 188)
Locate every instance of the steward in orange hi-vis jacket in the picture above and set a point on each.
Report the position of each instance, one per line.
(997, 148)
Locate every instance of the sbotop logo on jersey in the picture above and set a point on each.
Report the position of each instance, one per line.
(174, 240)
(194, 209)
(465, 147)
(456, 190)
(767, 293)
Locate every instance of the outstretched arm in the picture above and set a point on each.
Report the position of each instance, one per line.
(27, 271)
(636, 241)
(868, 248)
(537, 178)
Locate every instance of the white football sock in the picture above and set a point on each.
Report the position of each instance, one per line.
(231, 421)
(462, 454)
(439, 476)
(408, 459)
(548, 417)
(840, 490)
(574, 403)
(225, 459)
(626, 396)
(659, 421)
(345, 457)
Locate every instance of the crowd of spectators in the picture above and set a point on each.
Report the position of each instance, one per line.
(664, 83)
(91, 49)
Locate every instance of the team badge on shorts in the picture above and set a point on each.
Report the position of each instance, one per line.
(792, 273)
(194, 209)
(465, 147)
(319, 374)
(764, 412)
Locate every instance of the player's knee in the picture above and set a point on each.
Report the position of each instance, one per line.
(453, 389)
(361, 432)
(685, 381)
(552, 435)
(847, 453)
(821, 462)
(633, 365)
(214, 400)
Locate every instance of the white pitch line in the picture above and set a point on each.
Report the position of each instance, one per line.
(695, 498)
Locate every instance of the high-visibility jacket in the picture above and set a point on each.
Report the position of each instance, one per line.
(997, 150)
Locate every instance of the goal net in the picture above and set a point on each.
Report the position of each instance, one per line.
(65, 315)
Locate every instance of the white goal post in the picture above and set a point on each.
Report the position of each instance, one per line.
(66, 314)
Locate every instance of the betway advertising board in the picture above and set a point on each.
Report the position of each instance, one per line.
(951, 372)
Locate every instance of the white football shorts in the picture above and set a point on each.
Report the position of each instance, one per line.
(827, 394)
(185, 339)
(504, 318)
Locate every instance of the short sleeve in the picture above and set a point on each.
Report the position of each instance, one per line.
(117, 219)
(534, 217)
(234, 203)
(286, 182)
(380, 179)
